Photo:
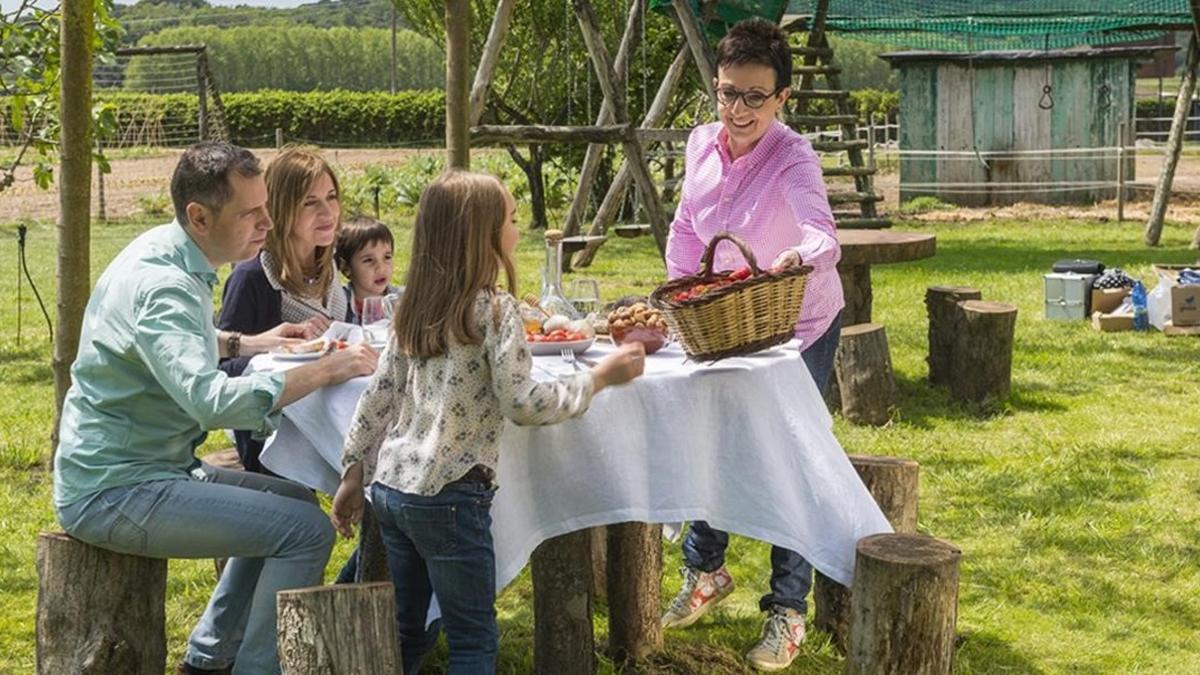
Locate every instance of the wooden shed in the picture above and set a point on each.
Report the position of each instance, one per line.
(977, 128)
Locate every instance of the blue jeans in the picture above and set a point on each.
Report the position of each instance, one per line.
(276, 535)
(791, 575)
(443, 544)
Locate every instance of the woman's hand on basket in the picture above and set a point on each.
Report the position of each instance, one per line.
(788, 258)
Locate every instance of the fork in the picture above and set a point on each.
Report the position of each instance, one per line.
(568, 356)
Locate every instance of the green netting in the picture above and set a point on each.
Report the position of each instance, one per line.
(969, 25)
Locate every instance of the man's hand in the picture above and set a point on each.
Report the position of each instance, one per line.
(283, 335)
(788, 258)
(351, 362)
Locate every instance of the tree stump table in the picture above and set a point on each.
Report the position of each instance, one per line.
(863, 248)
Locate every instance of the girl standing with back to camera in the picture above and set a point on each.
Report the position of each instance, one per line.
(426, 432)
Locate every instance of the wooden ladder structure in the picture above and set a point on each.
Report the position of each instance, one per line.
(852, 209)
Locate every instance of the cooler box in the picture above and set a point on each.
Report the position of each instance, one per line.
(1068, 295)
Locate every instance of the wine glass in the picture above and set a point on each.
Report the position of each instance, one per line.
(376, 318)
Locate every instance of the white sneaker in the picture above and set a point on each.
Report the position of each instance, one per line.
(700, 591)
(782, 635)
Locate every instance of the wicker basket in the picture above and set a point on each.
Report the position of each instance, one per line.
(744, 317)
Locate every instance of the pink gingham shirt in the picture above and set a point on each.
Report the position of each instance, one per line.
(773, 198)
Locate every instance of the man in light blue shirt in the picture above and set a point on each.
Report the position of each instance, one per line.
(146, 389)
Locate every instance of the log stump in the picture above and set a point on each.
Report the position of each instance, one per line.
(856, 291)
(598, 541)
(372, 555)
(941, 304)
(903, 606)
(347, 628)
(864, 374)
(982, 355)
(562, 605)
(634, 582)
(98, 612)
(892, 482)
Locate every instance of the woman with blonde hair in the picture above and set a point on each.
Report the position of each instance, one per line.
(293, 279)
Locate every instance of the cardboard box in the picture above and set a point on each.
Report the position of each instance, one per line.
(1105, 300)
(1112, 323)
(1067, 296)
(1185, 300)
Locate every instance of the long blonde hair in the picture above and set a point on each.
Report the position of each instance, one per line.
(289, 178)
(456, 253)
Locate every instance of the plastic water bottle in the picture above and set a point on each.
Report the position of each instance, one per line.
(1141, 318)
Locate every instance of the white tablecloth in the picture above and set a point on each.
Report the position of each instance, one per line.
(745, 444)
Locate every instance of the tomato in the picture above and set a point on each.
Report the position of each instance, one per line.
(740, 273)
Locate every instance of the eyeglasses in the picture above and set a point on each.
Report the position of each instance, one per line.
(727, 96)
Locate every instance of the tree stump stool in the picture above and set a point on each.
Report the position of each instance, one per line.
(864, 374)
(941, 304)
(634, 586)
(982, 356)
(346, 628)
(98, 612)
(903, 606)
(562, 605)
(892, 482)
(372, 555)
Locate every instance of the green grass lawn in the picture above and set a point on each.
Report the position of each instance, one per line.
(1074, 502)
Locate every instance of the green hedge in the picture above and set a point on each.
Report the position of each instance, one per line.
(333, 117)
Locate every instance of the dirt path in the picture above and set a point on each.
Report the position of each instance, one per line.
(148, 178)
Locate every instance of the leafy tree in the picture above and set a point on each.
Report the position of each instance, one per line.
(151, 16)
(29, 81)
(544, 73)
(298, 58)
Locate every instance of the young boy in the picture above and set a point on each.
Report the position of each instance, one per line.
(364, 257)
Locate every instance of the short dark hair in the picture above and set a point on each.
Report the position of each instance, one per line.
(356, 233)
(202, 175)
(760, 42)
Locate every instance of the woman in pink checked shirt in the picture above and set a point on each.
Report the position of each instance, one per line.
(751, 175)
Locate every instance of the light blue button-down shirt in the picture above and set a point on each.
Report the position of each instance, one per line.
(145, 384)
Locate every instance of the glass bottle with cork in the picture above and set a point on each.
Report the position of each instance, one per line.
(553, 300)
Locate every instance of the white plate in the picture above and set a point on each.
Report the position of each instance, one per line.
(288, 356)
(555, 348)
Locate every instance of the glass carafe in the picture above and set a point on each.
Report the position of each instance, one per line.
(553, 300)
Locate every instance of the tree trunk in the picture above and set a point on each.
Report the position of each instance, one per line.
(904, 606)
(598, 543)
(74, 194)
(372, 556)
(864, 374)
(537, 184)
(1179, 124)
(347, 628)
(458, 84)
(634, 579)
(941, 304)
(856, 290)
(98, 612)
(562, 606)
(983, 347)
(892, 482)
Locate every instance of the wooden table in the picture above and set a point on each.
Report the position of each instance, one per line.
(863, 248)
